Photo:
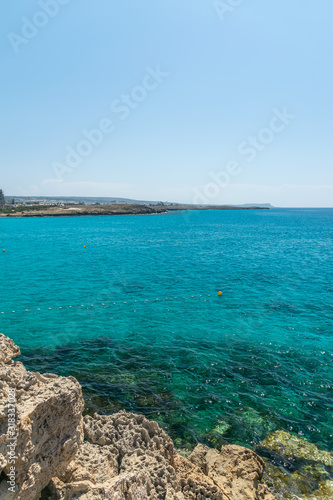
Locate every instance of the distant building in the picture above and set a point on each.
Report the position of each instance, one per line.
(2, 200)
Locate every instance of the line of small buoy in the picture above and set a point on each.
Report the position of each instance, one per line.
(121, 303)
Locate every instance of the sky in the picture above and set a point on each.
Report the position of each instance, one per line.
(195, 101)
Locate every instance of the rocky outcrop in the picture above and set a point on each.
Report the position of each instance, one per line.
(127, 456)
(40, 425)
(8, 350)
(236, 470)
(60, 456)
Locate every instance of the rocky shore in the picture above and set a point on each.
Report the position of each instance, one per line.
(117, 209)
(48, 450)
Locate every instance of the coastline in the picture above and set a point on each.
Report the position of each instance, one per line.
(50, 451)
(118, 209)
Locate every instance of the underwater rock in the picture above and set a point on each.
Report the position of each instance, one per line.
(222, 427)
(216, 437)
(286, 484)
(257, 424)
(296, 468)
(297, 485)
(324, 492)
(289, 445)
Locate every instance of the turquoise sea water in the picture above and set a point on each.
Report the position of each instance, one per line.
(207, 368)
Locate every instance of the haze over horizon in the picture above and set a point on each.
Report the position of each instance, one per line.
(185, 102)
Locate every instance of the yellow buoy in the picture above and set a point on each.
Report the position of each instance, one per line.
(84, 246)
(220, 293)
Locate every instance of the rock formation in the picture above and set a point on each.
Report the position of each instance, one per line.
(236, 470)
(44, 428)
(128, 454)
(61, 456)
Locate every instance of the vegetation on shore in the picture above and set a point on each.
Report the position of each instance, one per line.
(25, 208)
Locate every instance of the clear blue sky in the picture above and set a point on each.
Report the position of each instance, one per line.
(225, 74)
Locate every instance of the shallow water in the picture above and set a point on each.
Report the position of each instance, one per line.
(207, 368)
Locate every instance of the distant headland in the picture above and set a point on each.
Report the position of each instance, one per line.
(117, 209)
(74, 206)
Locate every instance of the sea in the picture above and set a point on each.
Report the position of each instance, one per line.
(129, 305)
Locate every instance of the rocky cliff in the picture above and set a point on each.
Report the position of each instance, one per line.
(49, 451)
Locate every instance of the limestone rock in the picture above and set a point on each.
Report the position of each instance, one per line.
(236, 470)
(131, 486)
(126, 455)
(93, 463)
(194, 483)
(8, 349)
(128, 432)
(141, 445)
(47, 411)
